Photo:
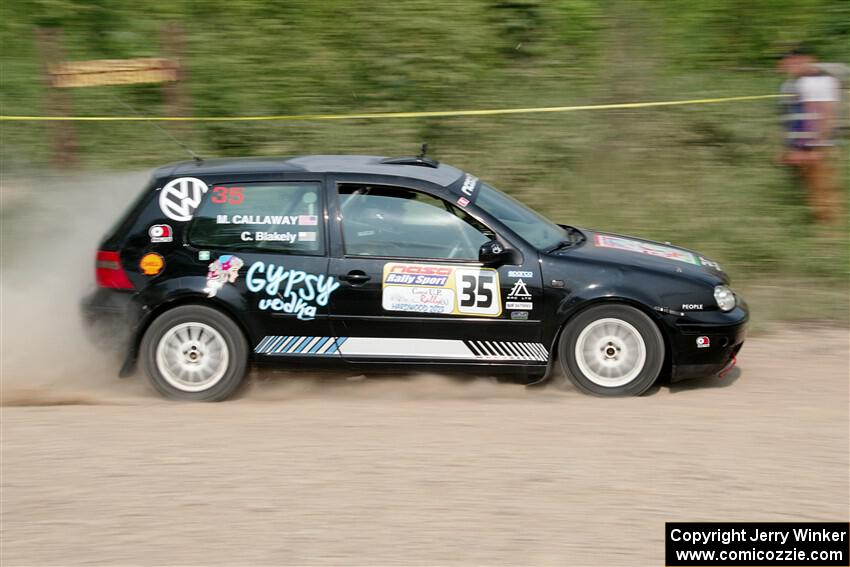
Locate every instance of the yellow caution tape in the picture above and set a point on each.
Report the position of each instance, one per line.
(380, 115)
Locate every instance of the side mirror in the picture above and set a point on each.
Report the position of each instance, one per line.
(493, 253)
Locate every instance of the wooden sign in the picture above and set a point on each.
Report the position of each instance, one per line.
(113, 72)
(58, 77)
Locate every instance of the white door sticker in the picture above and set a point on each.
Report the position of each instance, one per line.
(478, 291)
(418, 299)
(449, 290)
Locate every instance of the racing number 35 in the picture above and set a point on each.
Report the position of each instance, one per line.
(229, 195)
(478, 291)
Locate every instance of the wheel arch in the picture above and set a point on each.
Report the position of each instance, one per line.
(192, 299)
(653, 315)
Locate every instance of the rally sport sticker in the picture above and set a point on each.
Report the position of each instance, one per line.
(447, 290)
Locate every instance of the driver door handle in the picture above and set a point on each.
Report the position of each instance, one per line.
(355, 277)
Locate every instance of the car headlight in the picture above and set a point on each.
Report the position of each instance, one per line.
(724, 297)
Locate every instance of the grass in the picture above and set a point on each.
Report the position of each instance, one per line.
(699, 176)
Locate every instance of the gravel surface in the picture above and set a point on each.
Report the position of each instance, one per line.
(318, 469)
(427, 470)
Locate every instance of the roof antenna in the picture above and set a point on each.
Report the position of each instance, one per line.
(423, 151)
(198, 159)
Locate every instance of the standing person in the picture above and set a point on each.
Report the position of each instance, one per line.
(810, 118)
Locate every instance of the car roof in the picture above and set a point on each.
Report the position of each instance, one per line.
(443, 175)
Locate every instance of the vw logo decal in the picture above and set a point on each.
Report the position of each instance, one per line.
(180, 197)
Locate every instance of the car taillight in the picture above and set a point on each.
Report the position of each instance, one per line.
(108, 271)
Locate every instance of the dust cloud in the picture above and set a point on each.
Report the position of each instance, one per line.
(51, 227)
(289, 385)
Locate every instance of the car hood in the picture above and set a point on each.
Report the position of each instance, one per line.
(641, 253)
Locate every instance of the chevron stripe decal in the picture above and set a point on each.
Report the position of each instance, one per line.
(301, 346)
(508, 350)
(402, 348)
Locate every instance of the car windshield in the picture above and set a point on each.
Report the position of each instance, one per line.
(533, 227)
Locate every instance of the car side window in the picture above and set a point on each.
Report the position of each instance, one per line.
(388, 221)
(267, 217)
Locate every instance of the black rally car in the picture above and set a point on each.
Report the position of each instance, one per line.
(394, 261)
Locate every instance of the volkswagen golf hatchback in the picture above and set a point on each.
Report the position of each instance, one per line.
(399, 262)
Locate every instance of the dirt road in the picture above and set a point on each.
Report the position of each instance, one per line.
(314, 471)
(422, 472)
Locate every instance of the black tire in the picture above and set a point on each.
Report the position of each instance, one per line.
(185, 319)
(598, 353)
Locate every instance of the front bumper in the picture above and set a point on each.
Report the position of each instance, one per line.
(707, 347)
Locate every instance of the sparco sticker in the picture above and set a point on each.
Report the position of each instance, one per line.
(450, 290)
(180, 197)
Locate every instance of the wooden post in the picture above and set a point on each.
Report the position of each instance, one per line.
(58, 102)
(176, 93)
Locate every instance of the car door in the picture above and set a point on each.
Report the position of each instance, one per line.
(265, 245)
(412, 288)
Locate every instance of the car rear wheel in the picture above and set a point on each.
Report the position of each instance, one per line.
(195, 353)
(611, 350)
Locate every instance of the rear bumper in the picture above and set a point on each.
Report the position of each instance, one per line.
(110, 316)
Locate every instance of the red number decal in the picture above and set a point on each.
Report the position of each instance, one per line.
(220, 195)
(229, 195)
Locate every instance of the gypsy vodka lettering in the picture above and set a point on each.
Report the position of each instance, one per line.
(290, 291)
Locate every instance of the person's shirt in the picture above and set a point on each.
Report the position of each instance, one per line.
(801, 124)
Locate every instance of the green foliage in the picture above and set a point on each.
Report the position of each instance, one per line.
(752, 33)
(700, 176)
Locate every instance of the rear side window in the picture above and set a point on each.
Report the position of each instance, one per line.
(272, 217)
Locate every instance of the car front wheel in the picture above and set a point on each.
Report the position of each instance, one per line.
(611, 350)
(194, 353)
